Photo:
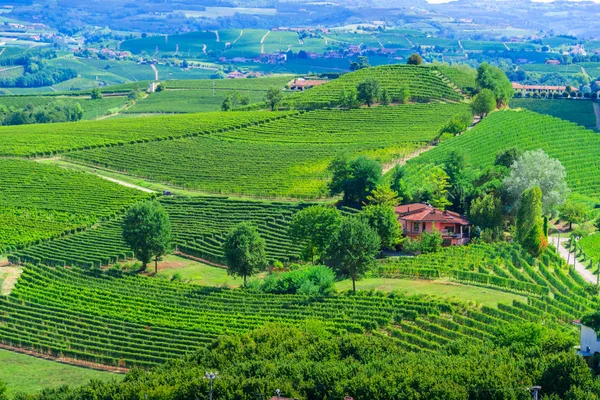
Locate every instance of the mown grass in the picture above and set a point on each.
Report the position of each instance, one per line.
(28, 374)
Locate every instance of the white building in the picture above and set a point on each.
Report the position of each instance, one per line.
(589, 342)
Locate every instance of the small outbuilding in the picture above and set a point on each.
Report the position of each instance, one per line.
(422, 217)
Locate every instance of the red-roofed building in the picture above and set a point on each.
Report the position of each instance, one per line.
(302, 84)
(421, 217)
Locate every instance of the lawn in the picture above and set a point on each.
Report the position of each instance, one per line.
(24, 373)
(207, 275)
(439, 287)
(196, 272)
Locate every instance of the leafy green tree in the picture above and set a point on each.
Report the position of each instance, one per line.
(383, 194)
(535, 168)
(274, 97)
(507, 157)
(96, 94)
(385, 97)
(461, 188)
(348, 99)
(530, 233)
(315, 226)
(383, 219)
(361, 63)
(494, 79)
(3, 389)
(244, 251)
(564, 372)
(356, 179)
(398, 184)
(353, 249)
(402, 96)
(573, 212)
(487, 212)
(147, 231)
(227, 104)
(367, 92)
(434, 188)
(431, 242)
(483, 103)
(160, 87)
(415, 59)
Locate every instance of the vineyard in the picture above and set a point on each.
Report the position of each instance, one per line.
(423, 83)
(576, 147)
(285, 158)
(43, 201)
(579, 111)
(589, 251)
(199, 226)
(135, 320)
(186, 96)
(48, 139)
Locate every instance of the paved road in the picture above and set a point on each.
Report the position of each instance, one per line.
(580, 268)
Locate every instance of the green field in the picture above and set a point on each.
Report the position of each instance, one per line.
(49, 139)
(285, 158)
(579, 111)
(26, 374)
(92, 109)
(576, 147)
(423, 84)
(199, 227)
(196, 272)
(44, 201)
(114, 320)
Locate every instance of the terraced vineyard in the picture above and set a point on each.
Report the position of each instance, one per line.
(252, 84)
(49, 139)
(576, 147)
(140, 321)
(199, 225)
(579, 111)
(284, 158)
(423, 83)
(43, 201)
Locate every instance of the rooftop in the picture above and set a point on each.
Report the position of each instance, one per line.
(422, 212)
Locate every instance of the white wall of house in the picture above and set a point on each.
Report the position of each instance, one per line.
(589, 341)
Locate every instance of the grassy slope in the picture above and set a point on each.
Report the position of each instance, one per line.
(579, 111)
(23, 373)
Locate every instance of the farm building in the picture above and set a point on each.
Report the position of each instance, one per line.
(540, 88)
(589, 344)
(302, 84)
(422, 217)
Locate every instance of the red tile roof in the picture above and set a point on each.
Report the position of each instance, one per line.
(516, 85)
(305, 83)
(419, 212)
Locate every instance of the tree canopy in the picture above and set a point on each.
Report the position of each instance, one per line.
(530, 231)
(274, 97)
(147, 231)
(383, 219)
(494, 79)
(483, 103)
(353, 248)
(415, 59)
(367, 92)
(356, 179)
(244, 251)
(535, 168)
(315, 226)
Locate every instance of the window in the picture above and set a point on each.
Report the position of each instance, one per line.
(424, 226)
(415, 227)
(450, 229)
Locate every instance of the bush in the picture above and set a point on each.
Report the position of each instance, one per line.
(313, 281)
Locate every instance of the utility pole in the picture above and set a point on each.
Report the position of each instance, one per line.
(536, 392)
(211, 376)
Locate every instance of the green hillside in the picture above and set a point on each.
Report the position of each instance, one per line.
(423, 83)
(284, 158)
(579, 111)
(577, 148)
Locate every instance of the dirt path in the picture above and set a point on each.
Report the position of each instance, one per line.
(239, 37)
(597, 112)
(218, 38)
(9, 68)
(505, 45)
(389, 166)
(262, 41)
(10, 276)
(155, 71)
(564, 253)
(460, 45)
(204, 48)
(126, 184)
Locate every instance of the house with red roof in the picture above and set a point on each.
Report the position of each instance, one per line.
(422, 217)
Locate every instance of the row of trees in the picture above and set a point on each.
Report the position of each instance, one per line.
(311, 362)
(57, 111)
